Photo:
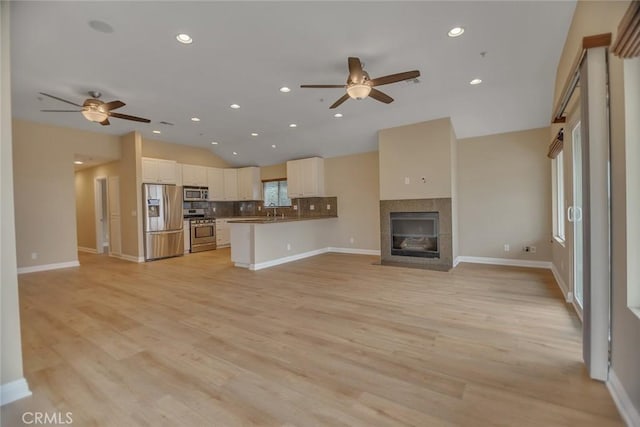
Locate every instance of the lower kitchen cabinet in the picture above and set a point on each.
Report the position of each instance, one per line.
(223, 233)
(187, 236)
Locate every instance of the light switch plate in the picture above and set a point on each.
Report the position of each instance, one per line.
(407, 181)
(312, 207)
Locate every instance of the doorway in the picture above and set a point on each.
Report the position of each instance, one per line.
(102, 214)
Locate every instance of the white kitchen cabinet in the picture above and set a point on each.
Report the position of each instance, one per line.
(230, 184)
(158, 171)
(305, 177)
(194, 176)
(187, 236)
(249, 184)
(215, 182)
(223, 233)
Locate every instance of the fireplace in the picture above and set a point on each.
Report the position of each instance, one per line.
(415, 234)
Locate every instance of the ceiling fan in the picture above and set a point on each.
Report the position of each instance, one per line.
(95, 110)
(359, 85)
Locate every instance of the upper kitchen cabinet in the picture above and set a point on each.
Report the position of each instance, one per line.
(194, 176)
(249, 184)
(158, 171)
(230, 184)
(215, 180)
(305, 177)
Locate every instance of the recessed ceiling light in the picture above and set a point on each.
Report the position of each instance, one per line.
(195, 119)
(254, 134)
(235, 154)
(456, 32)
(184, 38)
(273, 145)
(214, 143)
(293, 125)
(475, 82)
(338, 115)
(285, 89)
(156, 131)
(78, 162)
(234, 106)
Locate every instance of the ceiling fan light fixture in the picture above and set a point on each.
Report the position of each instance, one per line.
(455, 32)
(93, 114)
(358, 90)
(184, 38)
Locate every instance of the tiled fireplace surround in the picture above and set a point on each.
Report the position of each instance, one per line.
(443, 207)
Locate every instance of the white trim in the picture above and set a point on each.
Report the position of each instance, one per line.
(354, 251)
(568, 295)
(278, 261)
(505, 261)
(456, 261)
(629, 413)
(129, 258)
(45, 267)
(87, 250)
(10, 392)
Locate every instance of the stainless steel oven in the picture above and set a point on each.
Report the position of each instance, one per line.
(203, 234)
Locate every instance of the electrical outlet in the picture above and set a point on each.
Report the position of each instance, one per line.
(34, 255)
(241, 208)
(295, 207)
(259, 208)
(532, 249)
(288, 246)
(328, 207)
(506, 247)
(351, 240)
(214, 209)
(312, 207)
(407, 181)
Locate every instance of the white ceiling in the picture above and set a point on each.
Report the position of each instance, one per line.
(243, 52)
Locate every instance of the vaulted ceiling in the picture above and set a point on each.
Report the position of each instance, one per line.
(243, 52)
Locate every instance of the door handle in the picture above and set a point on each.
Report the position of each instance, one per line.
(570, 212)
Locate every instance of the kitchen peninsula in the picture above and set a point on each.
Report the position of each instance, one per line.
(263, 243)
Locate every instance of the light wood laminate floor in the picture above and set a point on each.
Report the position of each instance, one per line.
(331, 340)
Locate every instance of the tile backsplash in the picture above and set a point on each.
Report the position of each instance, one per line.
(309, 207)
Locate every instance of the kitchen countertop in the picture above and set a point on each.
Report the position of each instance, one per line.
(272, 220)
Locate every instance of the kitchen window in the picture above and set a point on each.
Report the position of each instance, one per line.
(275, 192)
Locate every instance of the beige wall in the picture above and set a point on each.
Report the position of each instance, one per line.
(273, 171)
(185, 154)
(45, 188)
(415, 151)
(85, 201)
(10, 343)
(354, 180)
(131, 195)
(504, 193)
(595, 17)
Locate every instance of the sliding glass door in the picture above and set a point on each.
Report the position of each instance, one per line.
(575, 216)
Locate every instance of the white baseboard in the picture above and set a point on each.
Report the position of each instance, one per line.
(274, 262)
(505, 261)
(568, 295)
(355, 251)
(15, 390)
(87, 250)
(629, 413)
(456, 261)
(130, 258)
(46, 267)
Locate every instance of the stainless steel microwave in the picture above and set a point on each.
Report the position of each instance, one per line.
(195, 194)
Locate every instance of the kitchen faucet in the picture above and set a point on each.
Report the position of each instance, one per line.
(275, 209)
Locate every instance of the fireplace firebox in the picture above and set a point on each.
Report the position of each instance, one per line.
(415, 234)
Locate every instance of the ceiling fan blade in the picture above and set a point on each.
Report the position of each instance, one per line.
(323, 86)
(105, 122)
(60, 99)
(127, 117)
(113, 105)
(61, 111)
(340, 101)
(392, 78)
(355, 70)
(380, 96)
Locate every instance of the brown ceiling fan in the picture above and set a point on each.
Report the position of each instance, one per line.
(95, 110)
(359, 85)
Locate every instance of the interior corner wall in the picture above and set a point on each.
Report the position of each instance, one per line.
(10, 343)
(184, 154)
(44, 186)
(354, 181)
(504, 195)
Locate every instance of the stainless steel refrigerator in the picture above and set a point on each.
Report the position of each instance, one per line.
(163, 233)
